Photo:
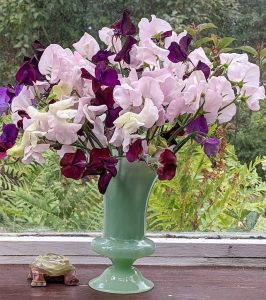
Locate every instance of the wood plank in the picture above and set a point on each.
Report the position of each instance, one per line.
(185, 235)
(165, 247)
(151, 261)
(175, 283)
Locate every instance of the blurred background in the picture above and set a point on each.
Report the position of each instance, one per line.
(226, 195)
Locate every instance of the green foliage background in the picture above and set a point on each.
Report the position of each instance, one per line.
(200, 197)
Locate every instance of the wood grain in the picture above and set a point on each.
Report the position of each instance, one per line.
(173, 283)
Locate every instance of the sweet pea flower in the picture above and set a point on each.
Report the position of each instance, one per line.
(218, 95)
(149, 29)
(87, 46)
(167, 168)
(107, 36)
(124, 26)
(195, 86)
(4, 100)
(134, 151)
(60, 129)
(129, 123)
(73, 165)
(7, 139)
(211, 146)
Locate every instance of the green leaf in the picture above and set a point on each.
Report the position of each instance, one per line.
(263, 53)
(224, 42)
(205, 26)
(203, 41)
(191, 31)
(225, 50)
(248, 49)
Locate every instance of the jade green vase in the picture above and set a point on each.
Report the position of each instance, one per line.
(123, 239)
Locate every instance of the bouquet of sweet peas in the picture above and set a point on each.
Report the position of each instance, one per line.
(144, 95)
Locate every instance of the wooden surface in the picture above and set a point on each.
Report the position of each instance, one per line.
(177, 283)
(200, 251)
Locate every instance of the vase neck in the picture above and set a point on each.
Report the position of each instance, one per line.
(126, 201)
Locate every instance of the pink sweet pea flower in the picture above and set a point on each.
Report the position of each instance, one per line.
(149, 29)
(87, 46)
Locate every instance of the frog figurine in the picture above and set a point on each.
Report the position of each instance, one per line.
(52, 267)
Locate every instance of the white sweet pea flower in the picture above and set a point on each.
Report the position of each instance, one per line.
(129, 123)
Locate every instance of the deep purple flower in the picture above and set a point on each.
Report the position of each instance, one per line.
(101, 163)
(204, 68)
(124, 26)
(123, 54)
(211, 146)
(135, 150)
(101, 55)
(104, 97)
(29, 72)
(167, 169)
(106, 75)
(7, 139)
(111, 115)
(96, 85)
(179, 52)
(166, 34)
(73, 165)
(23, 115)
(38, 48)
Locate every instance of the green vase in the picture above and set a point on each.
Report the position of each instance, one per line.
(123, 239)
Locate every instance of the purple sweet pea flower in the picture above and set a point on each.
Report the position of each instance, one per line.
(101, 55)
(211, 146)
(106, 75)
(105, 97)
(124, 26)
(7, 139)
(198, 125)
(4, 100)
(123, 54)
(204, 68)
(29, 72)
(135, 150)
(179, 52)
(111, 115)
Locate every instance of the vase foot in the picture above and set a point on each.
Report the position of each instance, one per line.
(121, 281)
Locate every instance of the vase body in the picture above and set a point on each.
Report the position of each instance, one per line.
(123, 239)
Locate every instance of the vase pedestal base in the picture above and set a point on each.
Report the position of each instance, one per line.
(121, 281)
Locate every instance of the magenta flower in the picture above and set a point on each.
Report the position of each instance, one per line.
(135, 150)
(101, 163)
(167, 169)
(124, 26)
(73, 165)
(211, 146)
(7, 139)
(179, 52)
(123, 54)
